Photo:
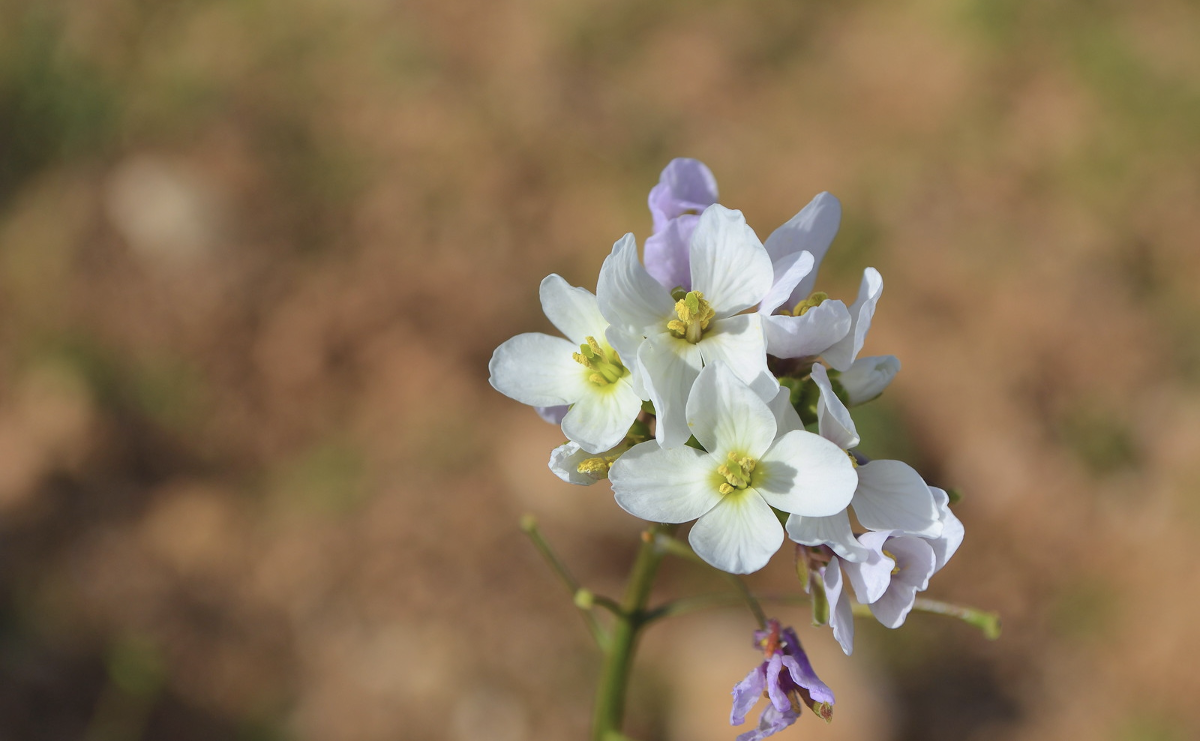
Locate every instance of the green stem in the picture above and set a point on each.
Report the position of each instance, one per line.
(583, 598)
(618, 661)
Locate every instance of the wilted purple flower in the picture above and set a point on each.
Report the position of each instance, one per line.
(685, 188)
(786, 678)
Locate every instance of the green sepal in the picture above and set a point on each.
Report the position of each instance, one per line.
(648, 406)
(955, 496)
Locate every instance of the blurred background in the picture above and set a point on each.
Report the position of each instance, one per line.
(254, 257)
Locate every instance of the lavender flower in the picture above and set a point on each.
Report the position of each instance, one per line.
(685, 188)
(786, 690)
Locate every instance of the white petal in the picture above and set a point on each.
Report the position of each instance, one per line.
(843, 353)
(892, 496)
(726, 416)
(841, 618)
(833, 418)
(786, 417)
(669, 366)
(833, 531)
(805, 474)
(626, 344)
(738, 342)
(788, 271)
(945, 545)
(565, 460)
(628, 297)
(739, 535)
(868, 377)
(663, 485)
(601, 417)
(539, 370)
(573, 310)
(872, 575)
(810, 334)
(813, 229)
(729, 264)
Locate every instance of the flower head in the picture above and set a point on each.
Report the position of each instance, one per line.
(786, 678)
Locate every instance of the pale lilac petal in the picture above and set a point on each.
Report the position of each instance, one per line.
(538, 370)
(833, 418)
(685, 185)
(841, 617)
(812, 230)
(628, 297)
(871, 576)
(554, 415)
(565, 460)
(892, 496)
(746, 694)
(669, 366)
(601, 418)
(662, 485)
(573, 310)
(737, 342)
(916, 562)
(868, 377)
(726, 416)
(833, 531)
(945, 545)
(808, 335)
(667, 253)
(787, 272)
(739, 535)
(802, 674)
(771, 721)
(775, 693)
(845, 350)
(805, 474)
(729, 265)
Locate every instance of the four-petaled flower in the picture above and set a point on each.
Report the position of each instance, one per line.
(746, 468)
(786, 678)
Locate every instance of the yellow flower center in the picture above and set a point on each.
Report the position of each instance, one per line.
(694, 315)
(811, 302)
(736, 471)
(605, 365)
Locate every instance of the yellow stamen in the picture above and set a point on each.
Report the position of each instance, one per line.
(694, 315)
(811, 302)
(606, 363)
(896, 569)
(597, 467)
(737, 472)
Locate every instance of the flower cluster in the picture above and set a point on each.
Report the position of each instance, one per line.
(712, 382)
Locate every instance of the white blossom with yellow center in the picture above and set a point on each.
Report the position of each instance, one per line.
(745, 469)
(674, 337)
(583, 371)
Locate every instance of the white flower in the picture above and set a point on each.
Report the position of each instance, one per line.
(748, 469)
(674, 338)
(898, 566)
(574, 465)
(583, 371)
(890, 495)
(843, 352)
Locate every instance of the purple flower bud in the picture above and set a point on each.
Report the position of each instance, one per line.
(786, 678)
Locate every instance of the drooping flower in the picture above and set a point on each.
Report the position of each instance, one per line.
(685, 188)
(745, 469)
(868, 377)
(787, 679)
(674, 337)
(889, 495)
(583, 372)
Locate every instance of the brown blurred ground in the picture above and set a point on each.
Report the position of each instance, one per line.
(254, 257)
